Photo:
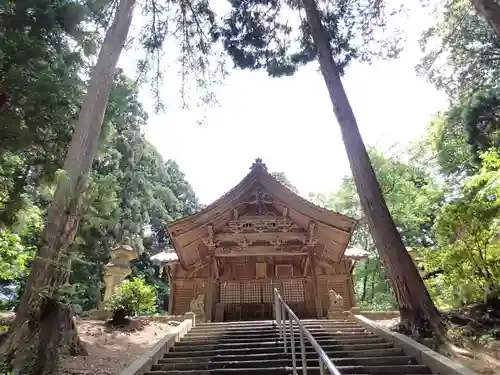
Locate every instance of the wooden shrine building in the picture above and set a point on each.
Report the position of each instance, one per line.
(259, 236)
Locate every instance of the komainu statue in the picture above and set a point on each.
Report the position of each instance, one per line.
(336, 307)
(198, 307)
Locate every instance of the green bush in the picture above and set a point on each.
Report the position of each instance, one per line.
(133, 297)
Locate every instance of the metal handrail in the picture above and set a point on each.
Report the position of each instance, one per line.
(281, 310)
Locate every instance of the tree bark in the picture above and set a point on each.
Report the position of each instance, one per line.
(416, 307)
(43, 327)
(490, 11)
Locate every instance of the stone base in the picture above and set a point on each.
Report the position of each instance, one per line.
(191, 315)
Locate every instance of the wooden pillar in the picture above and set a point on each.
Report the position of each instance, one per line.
(171, 275)
(316, 291)
(210, 290)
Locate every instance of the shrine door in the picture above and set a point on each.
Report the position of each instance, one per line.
(253, 300)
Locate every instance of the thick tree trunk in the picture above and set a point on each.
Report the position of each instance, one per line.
(43, 327)
(417, 308)
(490, 11)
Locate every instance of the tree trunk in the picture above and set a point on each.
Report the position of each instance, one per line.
(417, 308)
(365, 279)
(372, 285)
(43, 327)
(490, 11)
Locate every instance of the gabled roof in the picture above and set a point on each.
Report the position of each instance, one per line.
(186, 232)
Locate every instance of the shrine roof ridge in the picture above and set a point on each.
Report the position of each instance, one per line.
(189, 231)
(258, 169)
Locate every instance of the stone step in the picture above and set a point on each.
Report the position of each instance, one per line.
(360, 361)
(255, 348)
(253, 323)
(214, 357)
(375, 370)
(214, 350)
(271, 328)
(200, 345)
(269, 337)
(269, 331)
(263, 323)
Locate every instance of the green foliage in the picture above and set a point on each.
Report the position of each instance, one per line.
(144, 268)
(39, 99)
(132, 297)
(479, 116)
(468, 249)
(130, 187)
(372, 286)
(461, 51)
(274, 35)
(466, 145)
(14, 257)
(413, 196)
(17, 248)
(448, 140)
(283, 179)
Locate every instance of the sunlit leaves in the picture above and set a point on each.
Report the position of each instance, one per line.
(283, 179)
(448, 139)
(461, 51)
(14, 256)
(467, 229)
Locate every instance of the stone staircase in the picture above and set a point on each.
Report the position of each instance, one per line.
(255, 348)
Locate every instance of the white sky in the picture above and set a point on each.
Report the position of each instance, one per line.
(289, 122)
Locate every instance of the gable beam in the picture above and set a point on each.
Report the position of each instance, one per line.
(221, 252)
(195, 268)
(265, 236)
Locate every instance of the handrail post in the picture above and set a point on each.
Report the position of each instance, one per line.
(285, 330)
(292, 346)
(325, 362)
(303, 352)
(321, 366)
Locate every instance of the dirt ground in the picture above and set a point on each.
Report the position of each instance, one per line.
(483, 363)
(110, 348)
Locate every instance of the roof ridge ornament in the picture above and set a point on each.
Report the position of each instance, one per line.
(258, 164)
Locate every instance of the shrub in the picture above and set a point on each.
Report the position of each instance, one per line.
(133, 297)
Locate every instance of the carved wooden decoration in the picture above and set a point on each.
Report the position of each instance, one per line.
(210, 240)
(311, 234)
(260, 224)
(261, 201)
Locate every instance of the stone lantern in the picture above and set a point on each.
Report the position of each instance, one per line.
(115, 272)
(117, 269)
